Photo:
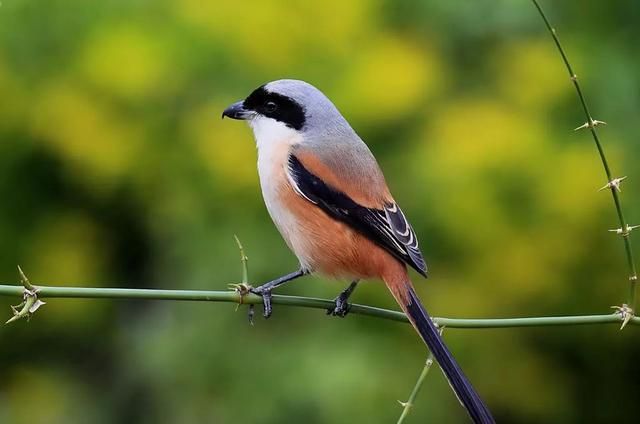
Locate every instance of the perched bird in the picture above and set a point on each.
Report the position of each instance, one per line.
(328, 197)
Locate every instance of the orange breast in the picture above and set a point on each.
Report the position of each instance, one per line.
(331, 247)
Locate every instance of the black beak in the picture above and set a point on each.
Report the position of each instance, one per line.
(236, 111)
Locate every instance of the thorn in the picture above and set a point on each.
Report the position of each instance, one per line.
(625, 312)
(13, 318)
(573, 77)
(624, 232)
(591, 124)
(404, 404)
(585, 125)
(36, 305)
(24, 280)
(615, 184)
(30, 303)
(242, 288)
(26, 305)
(243, 261)
(243, 257)
(633, 278)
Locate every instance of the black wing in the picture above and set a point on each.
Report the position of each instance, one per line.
(386, 227)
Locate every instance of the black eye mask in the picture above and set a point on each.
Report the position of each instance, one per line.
(277, 106)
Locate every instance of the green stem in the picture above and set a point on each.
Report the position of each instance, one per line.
(633, 276)
(243, 260)
(406, 406)
(307, 302)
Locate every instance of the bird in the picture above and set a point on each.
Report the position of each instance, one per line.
(328, 197)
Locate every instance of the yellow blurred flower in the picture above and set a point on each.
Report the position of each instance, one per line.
(94, 141)
(126, 61)
(388, 79)
(226, 148)
(531, 74)
(275, 35)
(69, 249)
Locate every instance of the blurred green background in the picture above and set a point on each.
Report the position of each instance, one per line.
(116, 170)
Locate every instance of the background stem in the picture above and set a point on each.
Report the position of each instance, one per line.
(591, 124)
(406, 406)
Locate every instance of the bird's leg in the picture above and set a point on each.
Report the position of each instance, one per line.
(341, 308)
(265, 289)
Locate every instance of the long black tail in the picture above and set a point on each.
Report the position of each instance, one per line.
(467, 395)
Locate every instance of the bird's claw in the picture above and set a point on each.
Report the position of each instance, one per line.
(341, 308)
(266, 300)
(244, 289)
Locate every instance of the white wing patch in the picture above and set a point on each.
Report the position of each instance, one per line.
(404, 233)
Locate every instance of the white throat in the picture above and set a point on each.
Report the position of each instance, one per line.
(270, 134)
(274, 141)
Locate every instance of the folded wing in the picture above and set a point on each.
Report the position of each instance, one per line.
(386, 226)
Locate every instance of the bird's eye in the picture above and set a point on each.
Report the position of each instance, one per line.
(270, 106)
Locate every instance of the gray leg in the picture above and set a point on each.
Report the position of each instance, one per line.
(265, 289)
(342, 307)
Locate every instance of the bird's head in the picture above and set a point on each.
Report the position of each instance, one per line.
(288, 107)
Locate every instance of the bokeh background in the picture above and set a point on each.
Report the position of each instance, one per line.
(116, 170)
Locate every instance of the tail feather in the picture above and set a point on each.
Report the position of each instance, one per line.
(462, 387)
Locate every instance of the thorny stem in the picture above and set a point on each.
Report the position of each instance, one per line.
(30, 302)
(591, 124)
(243, 288)
(406, 406)
(244, 260)
(307, 302)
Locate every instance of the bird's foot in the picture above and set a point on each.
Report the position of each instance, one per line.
(265, 293)
(341, 308)
(342, 305)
